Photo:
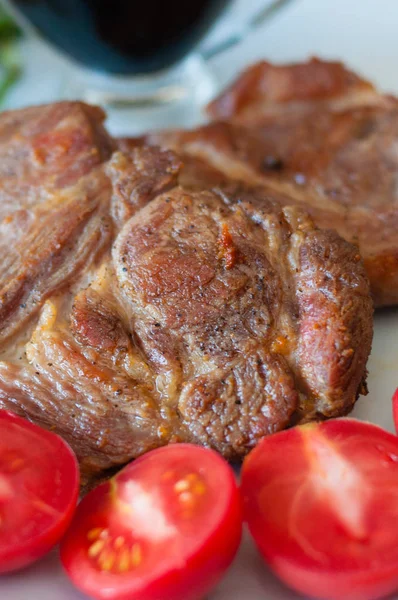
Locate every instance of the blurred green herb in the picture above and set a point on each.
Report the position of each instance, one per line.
(10, 61)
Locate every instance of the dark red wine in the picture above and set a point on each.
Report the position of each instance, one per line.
(123, 36)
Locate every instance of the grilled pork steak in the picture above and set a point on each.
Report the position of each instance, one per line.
(144, 302)
(323, 137)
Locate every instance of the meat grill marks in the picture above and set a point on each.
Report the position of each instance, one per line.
(171, 303)
(320, 137)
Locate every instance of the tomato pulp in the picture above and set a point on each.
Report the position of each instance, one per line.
(167, 526)
(321, 502)
(39, 486)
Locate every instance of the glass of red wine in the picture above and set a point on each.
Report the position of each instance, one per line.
(136, 56)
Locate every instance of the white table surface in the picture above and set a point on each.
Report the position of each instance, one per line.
(364, 33)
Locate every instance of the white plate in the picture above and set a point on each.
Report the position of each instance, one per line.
(363, 33)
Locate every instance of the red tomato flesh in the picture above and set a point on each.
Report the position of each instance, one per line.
(395, 409)
(321, 502)
(39, 486)
(167, 526)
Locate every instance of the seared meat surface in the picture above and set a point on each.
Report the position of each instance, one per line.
(322, 136)
(146, 302)
(53, 204)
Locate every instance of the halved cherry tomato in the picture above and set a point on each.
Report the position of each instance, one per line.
(167, 526)
(321, 502)
(39, 487)
(395, 409)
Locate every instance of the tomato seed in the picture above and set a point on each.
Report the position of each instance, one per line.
(199, 488)
(124, 561)
(106, 561)
(136, 555)
(182, 486)
(119, 542)
(96, 548)
(186, 498)
(93, 534)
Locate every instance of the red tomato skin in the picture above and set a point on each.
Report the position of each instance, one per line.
(395, 409)
(28, 552)
(200, 572)
(295, 570)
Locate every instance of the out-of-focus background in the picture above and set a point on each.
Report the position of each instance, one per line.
(364, 32)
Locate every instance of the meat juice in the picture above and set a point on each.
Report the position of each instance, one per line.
(126, 37)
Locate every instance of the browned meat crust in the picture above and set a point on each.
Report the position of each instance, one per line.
(53, 203)
(264, 88)
(321, 136)
(145, 303)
